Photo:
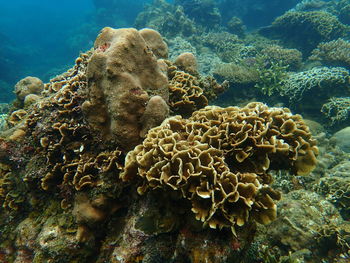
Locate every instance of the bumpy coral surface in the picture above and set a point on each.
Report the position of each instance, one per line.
(219, 160)
(123, 74)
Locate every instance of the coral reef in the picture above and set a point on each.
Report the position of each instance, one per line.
(221, 42)
(189, 93)
(187, 62)
(271, 78)
(306, 225)
(333, 53)
(204, 12)
(310, 5)
(291, 58)
(305, 30)
(341, 138)
(307, 91)
(237, 75)
(95, 170)
(241, 78)
(185, 94)
(114, 12)
(336, 188)
(254, 13)
(167, 19)
(341, 9)
(219, 160)
(235, 26)
(337, 110)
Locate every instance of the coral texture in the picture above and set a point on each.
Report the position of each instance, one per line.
(28, 90)
(186, 95)
(167, 19)
(123, 73)
(309, 90)
(187, 62)
(337, 110)
(333, 53)
(307, 29)
(291, 58)
(219, 160)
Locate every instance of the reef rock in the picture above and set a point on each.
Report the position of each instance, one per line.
(342, 139)
(123, 73)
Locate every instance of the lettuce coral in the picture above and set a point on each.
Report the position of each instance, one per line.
(219, 160)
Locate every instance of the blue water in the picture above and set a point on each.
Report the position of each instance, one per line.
(42, 38)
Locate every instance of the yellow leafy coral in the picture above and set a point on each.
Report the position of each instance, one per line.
(219, 159)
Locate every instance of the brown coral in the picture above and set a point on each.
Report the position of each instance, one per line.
(123, 73)
(186, 95)
(187, 62)
(219, 160)
(333, 53)
(64, 140)
(155, 42)
(28, 85)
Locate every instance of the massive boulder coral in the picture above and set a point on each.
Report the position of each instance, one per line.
(28, 90)
(219, 160)
(123, 74)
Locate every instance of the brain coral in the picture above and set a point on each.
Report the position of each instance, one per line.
(219, 160)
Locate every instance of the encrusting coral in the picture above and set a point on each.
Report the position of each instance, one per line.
(219, 160)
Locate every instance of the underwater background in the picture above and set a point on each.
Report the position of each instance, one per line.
(175, 131)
